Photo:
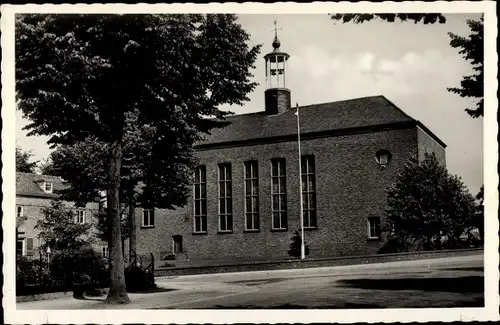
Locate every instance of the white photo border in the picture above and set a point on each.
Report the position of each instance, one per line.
(489, 312)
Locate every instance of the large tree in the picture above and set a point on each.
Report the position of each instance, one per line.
(80, 76)
(46, 167)
(153, 174)
(23, 161)
(358, 18)
(471, 48)
(428, 208)
(479, 216)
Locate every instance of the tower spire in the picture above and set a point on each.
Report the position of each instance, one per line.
(277, 96)
(276, 41)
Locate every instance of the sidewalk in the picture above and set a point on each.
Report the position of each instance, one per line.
(183, 267)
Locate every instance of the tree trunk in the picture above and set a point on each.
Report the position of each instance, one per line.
(131, 217)
(118, 290)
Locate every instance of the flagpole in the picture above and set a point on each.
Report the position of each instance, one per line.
(302, 246)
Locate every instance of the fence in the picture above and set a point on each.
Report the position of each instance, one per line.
(144, 261)
(37, 275)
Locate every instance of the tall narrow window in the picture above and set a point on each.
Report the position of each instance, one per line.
(374, 227)
(225, 199)
(308, 192)
(200, 200)
(278, 193)
(148, 218)
(251, 196)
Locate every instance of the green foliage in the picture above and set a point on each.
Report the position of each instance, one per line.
(472, 50)
(428, 208)
(46, 167)
(84, 166)
(359, 18)
(139, 279)
(89, 71)
(32, 276)
(59, 231)
(82, 78)
(103, 226)
(23, 163)
(295, 246)
(478, 220)
(81, 268)
(72, 261)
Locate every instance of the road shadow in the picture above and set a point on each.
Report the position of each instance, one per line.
(257, 282)
(102, 297)
(154, 290)
(467, 284)
(477, 302)
(292, 306)
(471, 269)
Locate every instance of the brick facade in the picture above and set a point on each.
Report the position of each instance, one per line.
(350, 187)
(277, 100)
(426, 143)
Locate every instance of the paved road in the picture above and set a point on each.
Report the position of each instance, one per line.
(446, 282)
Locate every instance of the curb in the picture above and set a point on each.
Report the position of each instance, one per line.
(312, 263)
(44, 296)
(56, 295)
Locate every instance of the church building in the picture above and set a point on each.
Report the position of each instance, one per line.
(245, 202)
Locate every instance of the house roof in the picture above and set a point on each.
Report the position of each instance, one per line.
(340, 115)
(28, 184)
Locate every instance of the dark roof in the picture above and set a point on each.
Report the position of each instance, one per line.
(30, 185)
(347, 114)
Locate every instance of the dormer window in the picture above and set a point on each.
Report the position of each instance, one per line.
(47, 187)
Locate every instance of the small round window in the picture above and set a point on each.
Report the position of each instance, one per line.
(383, 157)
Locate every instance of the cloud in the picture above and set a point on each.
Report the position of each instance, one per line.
(327, 76)
(365, 62)
(415, 80)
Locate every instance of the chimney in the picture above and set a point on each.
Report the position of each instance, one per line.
(277, 100)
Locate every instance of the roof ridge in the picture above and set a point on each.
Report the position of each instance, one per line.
(342, 101)
(398, 108)
(39, 175)
(309, 105)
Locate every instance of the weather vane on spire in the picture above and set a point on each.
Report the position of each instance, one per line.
(276, 42)
(276, 28)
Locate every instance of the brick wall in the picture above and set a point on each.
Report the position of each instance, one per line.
(277, 100)
(427, 144)
(350, 187)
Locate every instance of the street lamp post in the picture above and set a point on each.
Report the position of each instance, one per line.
(302, 246)
(48, 257)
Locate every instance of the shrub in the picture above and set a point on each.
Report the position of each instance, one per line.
(32, 276)
(295, 246)
(396, 245)
(428, 208)
(138, 279)
(79, 271)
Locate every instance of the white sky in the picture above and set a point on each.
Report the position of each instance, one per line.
(411, 64)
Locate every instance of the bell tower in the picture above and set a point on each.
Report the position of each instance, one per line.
(277, 96)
